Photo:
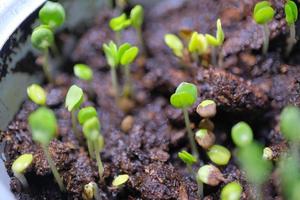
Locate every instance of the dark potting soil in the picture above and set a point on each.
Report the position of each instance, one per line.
(248, 86)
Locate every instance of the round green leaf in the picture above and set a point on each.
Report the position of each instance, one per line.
(119, 23)
(261, 5)
(187, 158)
(74, 98)
(289, 123)
(137, 16)
(174, 43)
(219, 154)
(22, 163)
(120, 180)
(242, 134)
(264, 15)
(122, 49)
(291, 12)
(129, 56)
(83, 72)
(37, 94)
(42, 38)
(86, 113)
(52, 14)
(91, 128)
(184, 96)
(232, 191)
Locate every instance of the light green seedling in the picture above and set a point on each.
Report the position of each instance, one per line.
(291, 16)
(137, 19)
(37, 94)
(185, 96)
(289, 123)
(219, 155)
(52, 14)
(118, 24)
(242, 134)
(85, 114)
(263, 13)
(43, 126)
(198, 45)
(174, 43)
(232, 191)
(73, 101)
(84, 72)
(19, 167)
(120, 180)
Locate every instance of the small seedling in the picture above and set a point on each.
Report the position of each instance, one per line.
(42, 38)
(205, 138)
(232, 191)
(19, 167)
(289, 123)
(91, 191)
(207, 109)
(73, 101)
(118, 24)
(263, 13)
(219, 155)
(52, 14)
(291, 16)
(85, 114)
(137, 19)
(210, 175)
(84, 72)
(91, 131)
(174, 43)
(37, 94)
(197, 45)
(242, 134)
(120, 180)
(268, 153)
(185, 96)
(215, 42)
(43, 126)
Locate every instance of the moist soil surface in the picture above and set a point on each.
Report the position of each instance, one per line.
(248, 86)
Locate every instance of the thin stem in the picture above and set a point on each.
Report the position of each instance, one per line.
(141, 40)
(114, 80)
(91, 149)
(214, 55)
(199, 187)
(97, 195)
(74, 124)
(55, 49)
(266, 38)
(221, 58)
(118, 37)
(53, 168)
(128, 83)
(98, 159)
(195, 56)
(258, 191)
(291, 40)
(190, 133)
(22, 179)
(46, 66)
(111, 4)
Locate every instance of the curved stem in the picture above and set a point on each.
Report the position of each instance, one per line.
(190, 133)
(266, 38)
(46, 66)
(22, 179)
(291, 40)
(53, 168)
(91, 149)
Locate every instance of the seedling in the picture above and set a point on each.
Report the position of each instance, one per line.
(185, 96)
(43, 126)
(210, 175)
(207, 108)
(91, 191)
(215, 42)
(19, 167)
(197, 45)
(85, 114)
(232, 191)
(120, 180)
(118, 24)
(37, 94)
(52, 14)
(42, 38)
(91, 131)
(219, 155)
(73, 101)
(174, 43)
(291, 16)
(137, 19)
(242, 134)
(127, 58)
(83, 72)
(263, 13)
(205, 138)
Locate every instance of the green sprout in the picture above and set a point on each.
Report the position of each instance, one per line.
(219, 155)
(185, 96)
(118, 24)
(43, 126)
(120, 180)
(91, 191)
(52, 14)
(73, 101)
(215, 42)
(37, 94)
(42, 38)
(242, 134)
(91, 131)
(263, 13)
(137, 19)
(127, 58)
(207, 108)
(83, 72)
(232, 191)
(85, 114)
(205, 138)
(19, 167)
(210, 175)
(291, 16)
(198, 45)
(174, 43)
(257, 169)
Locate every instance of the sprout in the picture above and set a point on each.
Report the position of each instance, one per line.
(289, 123)
(210, 175)
(91, 191)
(52, 14)
(91, 131)
(197, 45)
(118, 24)
(268, 153)
(137, 19)
(242, 134)
(207, 108)
(120, 180)
(83, 72)
(174, 43)
(184, 97)
(291, 16)
(232, 191)
(263, 13)
(215, 41)
(205, 138)
(43, 126)
(37, 94)
(42, 38)
(85, 114)
(19, 167)
(73, 101)
(219, 154)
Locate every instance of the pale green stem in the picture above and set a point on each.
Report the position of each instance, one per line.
(128, 83)
(221, 58)
(195, 56)
(91, 149)
(258, 191)
(98, 159)
(114, 80)
(46, 66)
(54, 49)
(141, 39)
(190, 133)
(291, 40)
(97, 195)
(199, 187)
(266, 33)
(118, 37)
(74, 124)
(213, 55)
(53, 168)
(22, 179)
